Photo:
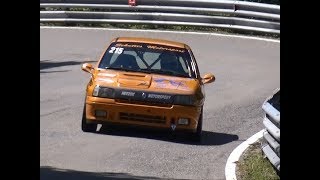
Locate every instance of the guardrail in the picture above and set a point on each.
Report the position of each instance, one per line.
(239, 15)
(271, 121)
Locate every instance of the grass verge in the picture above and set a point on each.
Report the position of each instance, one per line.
(169, 28)
(253, 165)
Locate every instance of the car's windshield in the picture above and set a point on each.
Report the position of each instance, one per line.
(147, 58)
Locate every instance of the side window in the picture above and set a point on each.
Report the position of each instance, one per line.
(183, 64)
(105, 61)
(194, 65)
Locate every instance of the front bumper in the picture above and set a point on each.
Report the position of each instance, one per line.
(141, 114)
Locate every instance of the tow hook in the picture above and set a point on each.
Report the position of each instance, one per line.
(173, 127)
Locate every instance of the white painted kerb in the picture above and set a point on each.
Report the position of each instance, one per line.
(230, 169)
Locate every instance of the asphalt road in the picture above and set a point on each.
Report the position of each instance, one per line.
(246, 70)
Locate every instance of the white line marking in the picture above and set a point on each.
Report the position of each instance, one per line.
(230, 169)
(159, 31)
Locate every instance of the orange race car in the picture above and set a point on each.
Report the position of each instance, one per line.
(146, 82)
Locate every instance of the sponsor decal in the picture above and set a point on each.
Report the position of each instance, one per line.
(165, 83)
(159, 96)
(165, 48)
(172, 49)
(128, 93)
(170, 84)
(128, 45)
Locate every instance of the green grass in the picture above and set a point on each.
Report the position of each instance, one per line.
(254, 166)
(167, 27)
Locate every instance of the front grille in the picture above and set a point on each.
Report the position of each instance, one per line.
(142, 118)
(143, 103)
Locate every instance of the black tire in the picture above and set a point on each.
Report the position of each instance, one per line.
(86, 127)
(196, 136)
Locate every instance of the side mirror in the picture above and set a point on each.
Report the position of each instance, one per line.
(87, 67)
(208, 78)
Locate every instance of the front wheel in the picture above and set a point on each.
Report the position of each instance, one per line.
(196, 136)
(86, 127)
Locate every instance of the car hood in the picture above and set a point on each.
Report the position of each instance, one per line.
(147, 82)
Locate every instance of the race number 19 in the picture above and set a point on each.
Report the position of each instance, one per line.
(116, 50)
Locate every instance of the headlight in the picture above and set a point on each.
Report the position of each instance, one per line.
(103, 92)
(184, 100)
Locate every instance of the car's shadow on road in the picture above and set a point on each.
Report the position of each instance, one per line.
(208, 138)
(51, 173)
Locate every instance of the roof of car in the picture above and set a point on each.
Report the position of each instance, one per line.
(150, 41)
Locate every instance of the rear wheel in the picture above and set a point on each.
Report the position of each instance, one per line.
(196, 136)
(86, 127)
